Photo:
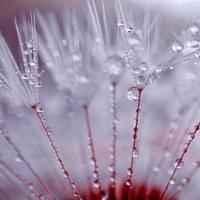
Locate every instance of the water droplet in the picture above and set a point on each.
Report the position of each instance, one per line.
(30, 186)
(179, 188)
(112, 180)
(129, 171)
(172, 181)
(39, 108)
(140, 69)
(96, 184)
(120, 24)
(39, 84)
(179, 163)
(115, 67)
(129, 29)
(156, 169)
(110, 168)
(197, 54)
(177, 46)
(18, 159)
(134, 39)
(133, 94)
(185, 181)
(135, 153)
(194, 29)
(95, 174)
(191, 135)
(128, 183)
(24, 76)
(197, 164)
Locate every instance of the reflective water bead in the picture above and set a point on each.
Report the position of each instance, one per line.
(179, 163)
(177, 46)
(111, 169)
(96, 184)
(128, 183)
(120, 24)
(133, 94)
(191, 135)
(24, 76)
(39, 108)
(18, 159)
(95, 174)
(30, 186)
(140, 69)
(179, 188)
(115, 67)
(129, 171)
(129, 29)
(172, 181)
(135, 153)
(134, 39)
(194, 28)
(197, 164)
(156, 169)
(185, 181)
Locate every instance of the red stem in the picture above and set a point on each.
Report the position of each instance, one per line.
(57, 155)
(91, 144)
(135, 135)
(179, 161)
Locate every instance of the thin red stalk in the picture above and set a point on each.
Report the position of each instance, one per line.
(180, 160)
(93, 154)
(40, 181)
(20, 179)
(57, 155)
(135, 135)
(181, 139)
(114, 137)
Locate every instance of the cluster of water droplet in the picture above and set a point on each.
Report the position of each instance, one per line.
(115, 67)
(190, 40)
(31, 67)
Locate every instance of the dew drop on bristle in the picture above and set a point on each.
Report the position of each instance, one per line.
(114, 66)
(191, 135)
(140, 69)
(129, 29)
(135, 153)
(156, 169)
(177, 46)
(120, 24)
(173, 181)
(194, 29)
(39, 108)
(179, 163)
(24, 76)
(18, 159)
(185, 181)
(129, 171)
(133, 94)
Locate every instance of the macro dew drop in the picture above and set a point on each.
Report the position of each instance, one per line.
(114, 66)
